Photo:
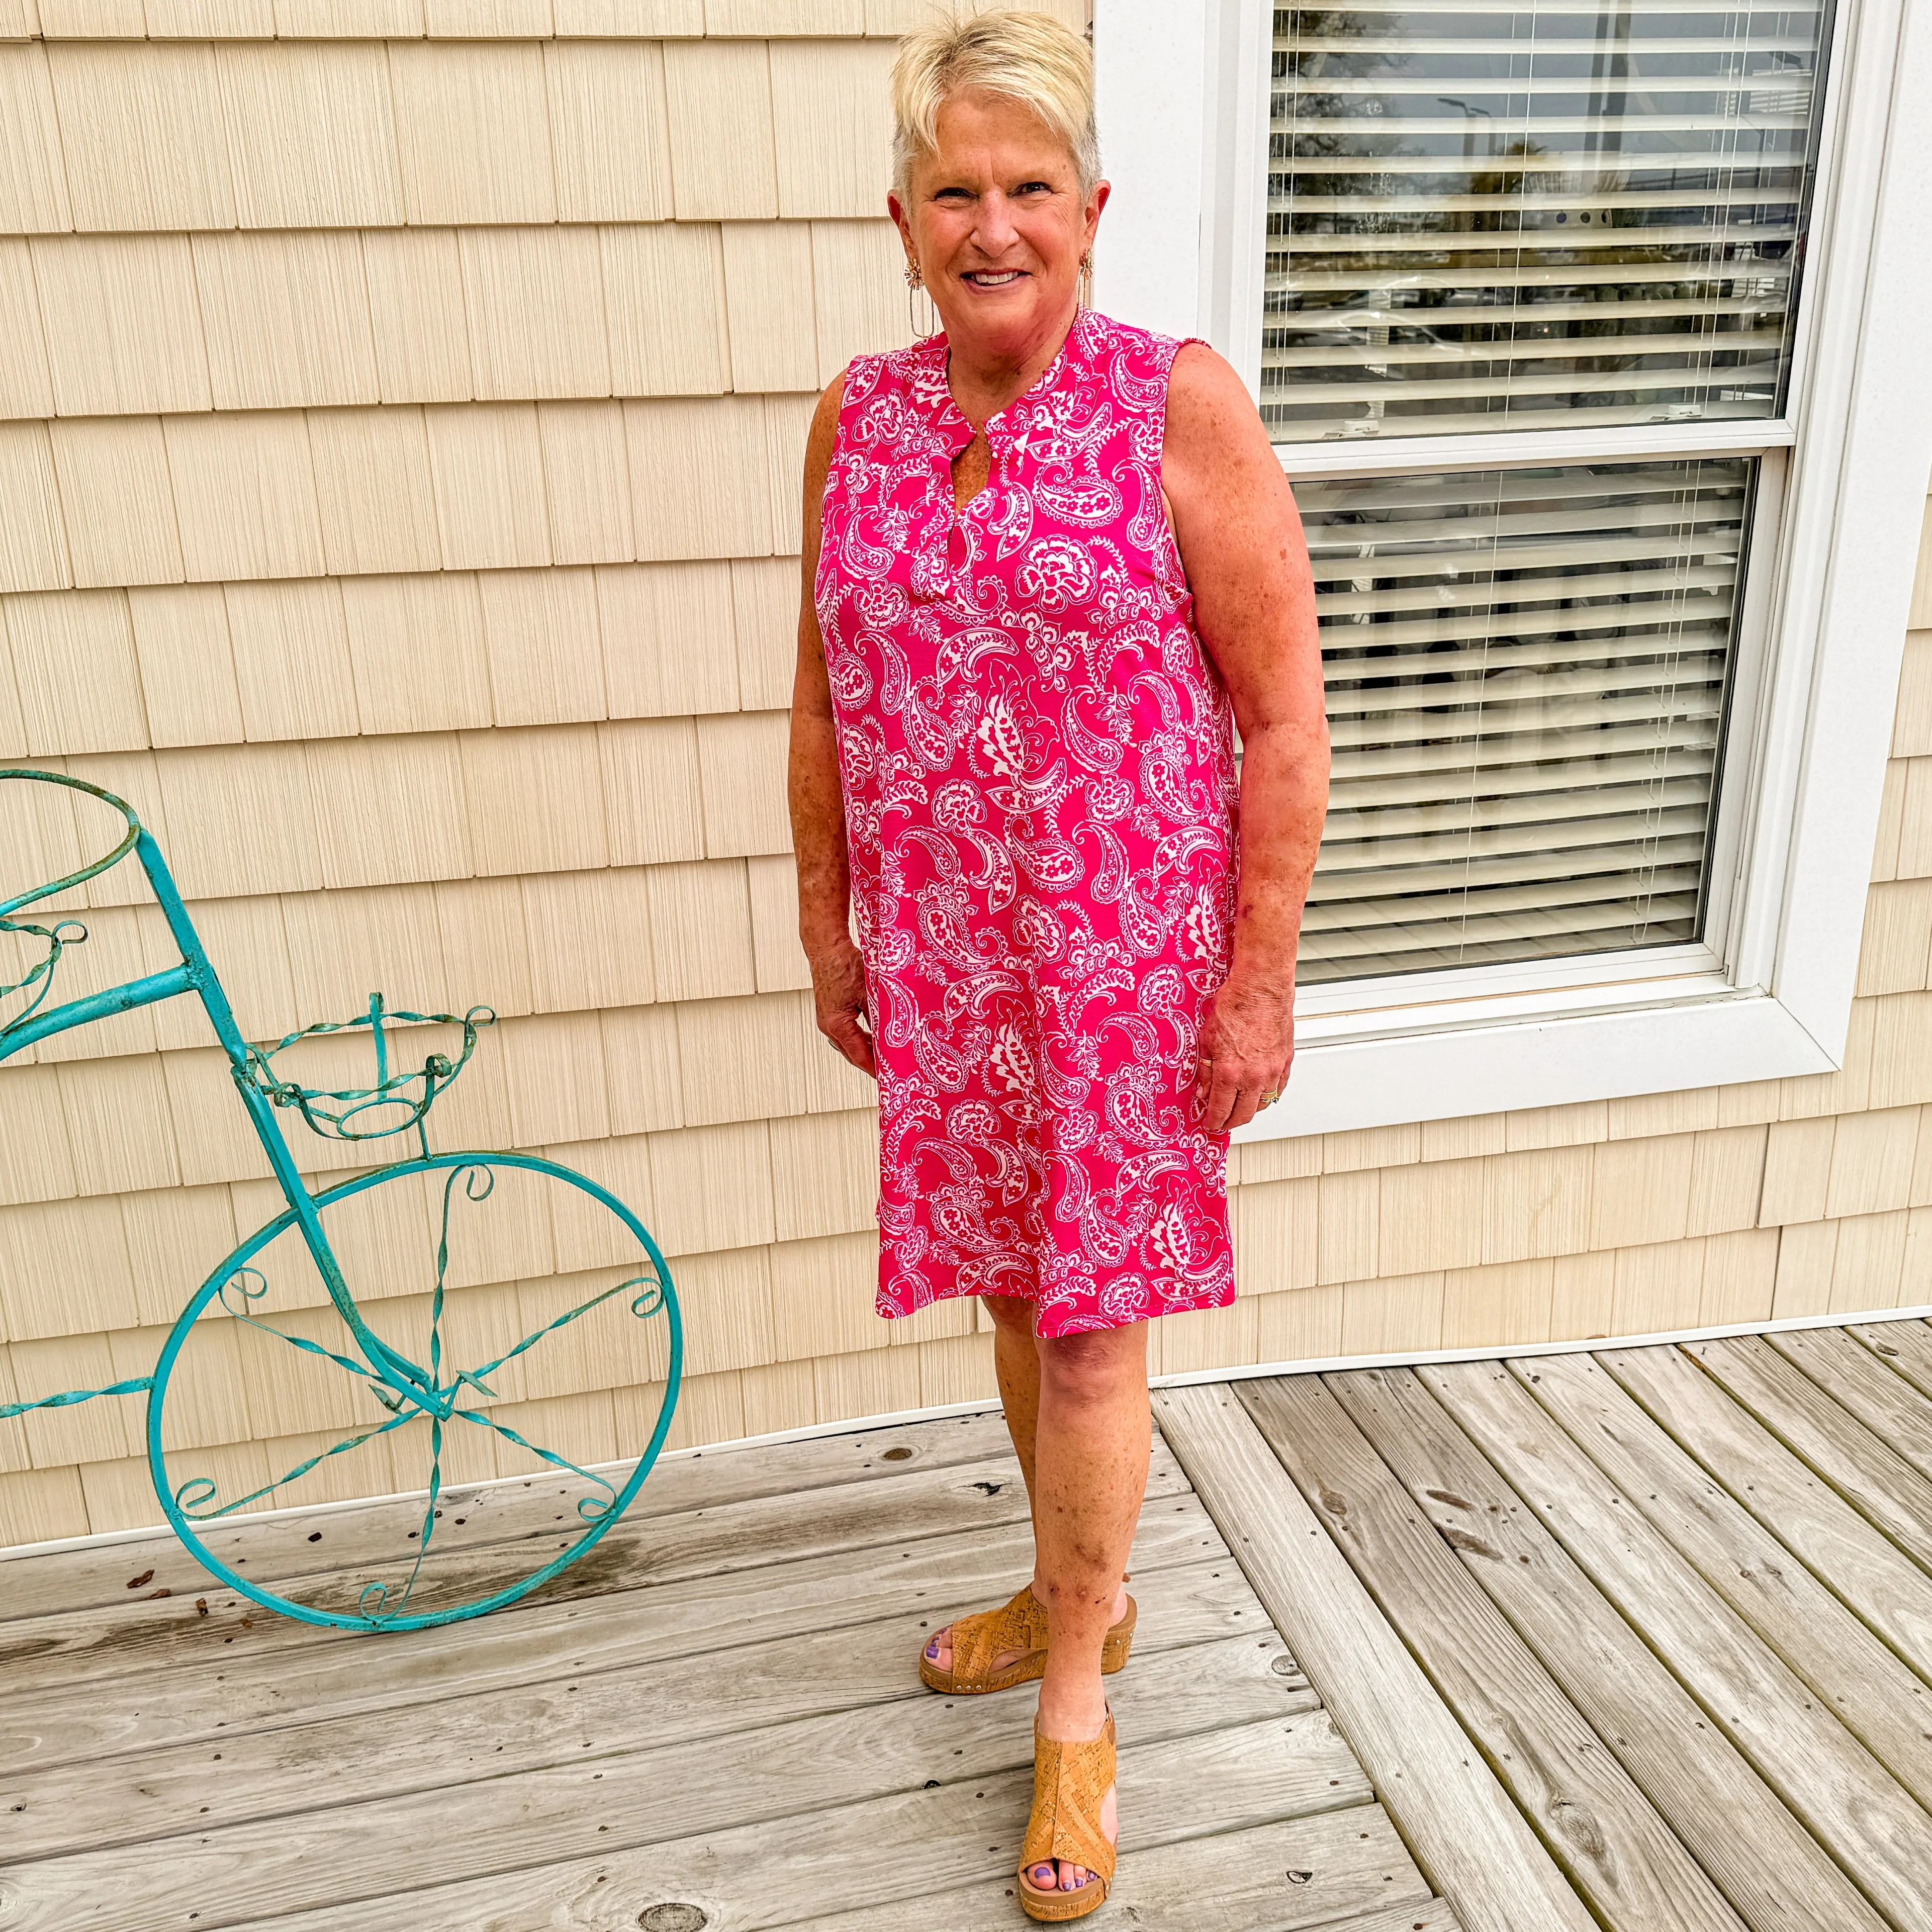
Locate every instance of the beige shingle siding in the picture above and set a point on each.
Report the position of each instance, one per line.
(360, 490)
(241, 320)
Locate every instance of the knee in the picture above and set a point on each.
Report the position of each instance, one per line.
(1095, 1367)
(1011, 1313)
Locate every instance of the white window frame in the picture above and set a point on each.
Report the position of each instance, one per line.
(1183, 89)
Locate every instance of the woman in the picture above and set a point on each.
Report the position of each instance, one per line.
(1046, 556)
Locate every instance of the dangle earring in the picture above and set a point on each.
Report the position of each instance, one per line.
(915, 279)
(1087, 280)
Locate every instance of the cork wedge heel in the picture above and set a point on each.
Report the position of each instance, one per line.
(1018, 1625)
(1070, 1781)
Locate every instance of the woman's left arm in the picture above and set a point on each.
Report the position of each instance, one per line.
(1241, 545)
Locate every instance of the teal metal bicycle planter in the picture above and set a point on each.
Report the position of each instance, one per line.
(440, 1392)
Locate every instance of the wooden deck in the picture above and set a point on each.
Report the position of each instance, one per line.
(1640, 1639)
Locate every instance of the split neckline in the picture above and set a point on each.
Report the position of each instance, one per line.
(951, 420)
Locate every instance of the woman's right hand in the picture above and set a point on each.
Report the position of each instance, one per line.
(838, 993)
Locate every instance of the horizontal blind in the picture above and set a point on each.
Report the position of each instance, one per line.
(1527, 671)
(1524, 216)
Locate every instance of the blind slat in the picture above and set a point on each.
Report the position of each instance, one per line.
(1397, 277)
(1703, 161)
(1706, 627)
(1346, 832)
(1502, 720)
(1369, 712)
(1515, 416)
(1407, 389)
(1677, 856)
(1284, 116)
(1529, 200)
(1479, 938)
(1482, 82)
(1725, 342)
(1706, 236)
(1419, 764)
(1635, 44)
(1538, 901)
(1346, 863)
(1534, 12)
(1475, 554)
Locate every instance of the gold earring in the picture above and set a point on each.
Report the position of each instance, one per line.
(915, 279)
(1086, 296)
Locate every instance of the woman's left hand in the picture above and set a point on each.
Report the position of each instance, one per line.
(1247, 1045)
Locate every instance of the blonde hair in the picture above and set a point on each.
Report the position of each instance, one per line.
(1031, 58)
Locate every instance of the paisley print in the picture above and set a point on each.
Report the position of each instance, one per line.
(1037, 762)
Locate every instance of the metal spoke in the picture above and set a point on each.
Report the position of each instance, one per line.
(68, 1397)
(238, 1281)
(590, 1508)
(645, 1305)
(374, 1602)
(198, 1490)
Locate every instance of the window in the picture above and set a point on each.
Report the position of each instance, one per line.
(1614, 521)
(1572, 216)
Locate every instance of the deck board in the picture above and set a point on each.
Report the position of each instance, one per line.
(895, 1849)
(1185, 1615)
(1874, 1695)
(1825, 1777)
(1327, 1874)
(1871, 1475)
(1859, 1381)
(205, 1682)
(1471, 1841)
(1619, 1854)
(1904, 1347)
(1266, 1879)
(1285, 1761)
(1771, 1868)
(128, 1639)
(1861, 1565)
(479, 1515)
(1666, 1613)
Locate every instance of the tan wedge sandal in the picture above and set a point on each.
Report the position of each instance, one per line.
(1069, 1785)
(1018, 1625)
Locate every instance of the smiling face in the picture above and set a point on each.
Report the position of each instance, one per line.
(995, 219)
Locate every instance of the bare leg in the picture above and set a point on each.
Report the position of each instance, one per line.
(1016, 1360)
(1092, 1443)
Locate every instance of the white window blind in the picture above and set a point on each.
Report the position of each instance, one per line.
(1527, 672)
(1552, 215)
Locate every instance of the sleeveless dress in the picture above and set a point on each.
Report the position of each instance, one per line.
(1037, 763)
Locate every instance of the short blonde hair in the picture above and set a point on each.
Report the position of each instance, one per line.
(1028, 58)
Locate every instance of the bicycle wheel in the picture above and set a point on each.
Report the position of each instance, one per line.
(541, 1331)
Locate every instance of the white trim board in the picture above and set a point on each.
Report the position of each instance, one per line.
(1817, 674)
(1441, 1071)
(903, 1418)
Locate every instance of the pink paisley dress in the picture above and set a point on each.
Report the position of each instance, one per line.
(1037, 763)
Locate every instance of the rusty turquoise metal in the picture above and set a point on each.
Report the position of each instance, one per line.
(397, 1103)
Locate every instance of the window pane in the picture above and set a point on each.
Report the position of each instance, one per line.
(1552, 217)
(1526, 671)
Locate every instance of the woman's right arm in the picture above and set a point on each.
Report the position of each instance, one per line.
(817, 802)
